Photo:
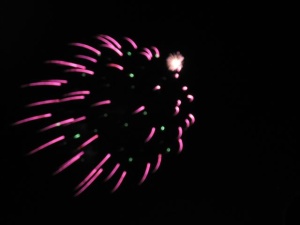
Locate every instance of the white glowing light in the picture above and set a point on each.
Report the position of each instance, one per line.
(175, 61)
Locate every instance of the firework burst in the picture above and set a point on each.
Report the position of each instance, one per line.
(112, 108)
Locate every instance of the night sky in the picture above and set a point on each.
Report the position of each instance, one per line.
(240, 164)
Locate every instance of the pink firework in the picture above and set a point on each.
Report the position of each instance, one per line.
(112, 109)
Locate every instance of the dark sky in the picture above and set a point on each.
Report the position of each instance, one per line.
(241, 165)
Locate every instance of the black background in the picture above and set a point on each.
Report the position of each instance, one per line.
(240, 166)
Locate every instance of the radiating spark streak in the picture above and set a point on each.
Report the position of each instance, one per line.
(69, 162)
(151, 134)
(145, 173)
(117, 66)
(131, 42)
(180, 131)
(114, 170)
(147, 55)
(141, 108)
(77, 93)
(72, 98)
(190, 97)
(91, 59)
(86, 179)
(79, 119)
(90, 72)
(187, 123)
(45, 102)
(180, 142)
(88, 47)
(104, 40)
(104, 102)
(76, 120)
(42, 83)
(119, 182)
(55, 140)
(184, 88)
(192, 118)
(103, 161)
(58, 80)
(57, 124)
(147, 50)
(32, 118)
(178, 102)
(158, 163)
(89, 182)
(157, 54)
(88, 141)
(157, 87)
(112, 40)
(93, 171)
(176, 110)
(65, 63)
(116, 50)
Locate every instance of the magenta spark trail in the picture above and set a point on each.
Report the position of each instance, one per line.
(113, 112)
